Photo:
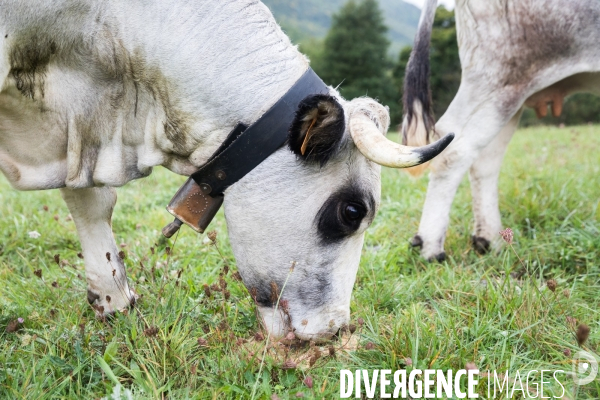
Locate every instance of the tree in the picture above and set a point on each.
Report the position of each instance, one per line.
(354, 54)
(444, 61)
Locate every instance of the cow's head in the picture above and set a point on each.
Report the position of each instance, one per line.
(297, 221)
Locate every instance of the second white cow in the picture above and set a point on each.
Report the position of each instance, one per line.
(513, 53)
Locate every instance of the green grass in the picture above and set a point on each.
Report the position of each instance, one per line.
(441, 316)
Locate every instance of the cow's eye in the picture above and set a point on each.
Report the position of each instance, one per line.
(343, 214)
(352, 213)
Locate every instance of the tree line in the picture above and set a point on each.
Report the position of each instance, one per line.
(354, 56)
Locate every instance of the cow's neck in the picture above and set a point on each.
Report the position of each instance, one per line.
(208, 66)
(131, 86)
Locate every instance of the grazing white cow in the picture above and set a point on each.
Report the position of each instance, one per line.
(514, 53)
(96, 93)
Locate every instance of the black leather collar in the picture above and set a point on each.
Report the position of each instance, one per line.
(245, 148)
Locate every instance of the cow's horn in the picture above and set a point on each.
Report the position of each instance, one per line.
(377, 148)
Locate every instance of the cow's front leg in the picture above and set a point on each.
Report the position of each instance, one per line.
(484, 175)
(91, 210)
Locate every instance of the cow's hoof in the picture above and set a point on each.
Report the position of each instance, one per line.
(438, 258)
(107, 305)
(481, 245)
(416, 241)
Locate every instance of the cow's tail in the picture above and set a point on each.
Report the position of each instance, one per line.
(418, 124)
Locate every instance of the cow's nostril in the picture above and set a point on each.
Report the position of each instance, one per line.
(337, 335)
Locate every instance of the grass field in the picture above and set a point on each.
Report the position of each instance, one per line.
(493, 310)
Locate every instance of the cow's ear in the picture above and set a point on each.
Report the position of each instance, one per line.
(318, 128)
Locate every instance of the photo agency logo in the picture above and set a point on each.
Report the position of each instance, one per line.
(463, 384)
(416, 384)
(584, 368)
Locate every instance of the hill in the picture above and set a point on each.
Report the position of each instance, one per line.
(306, 19)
